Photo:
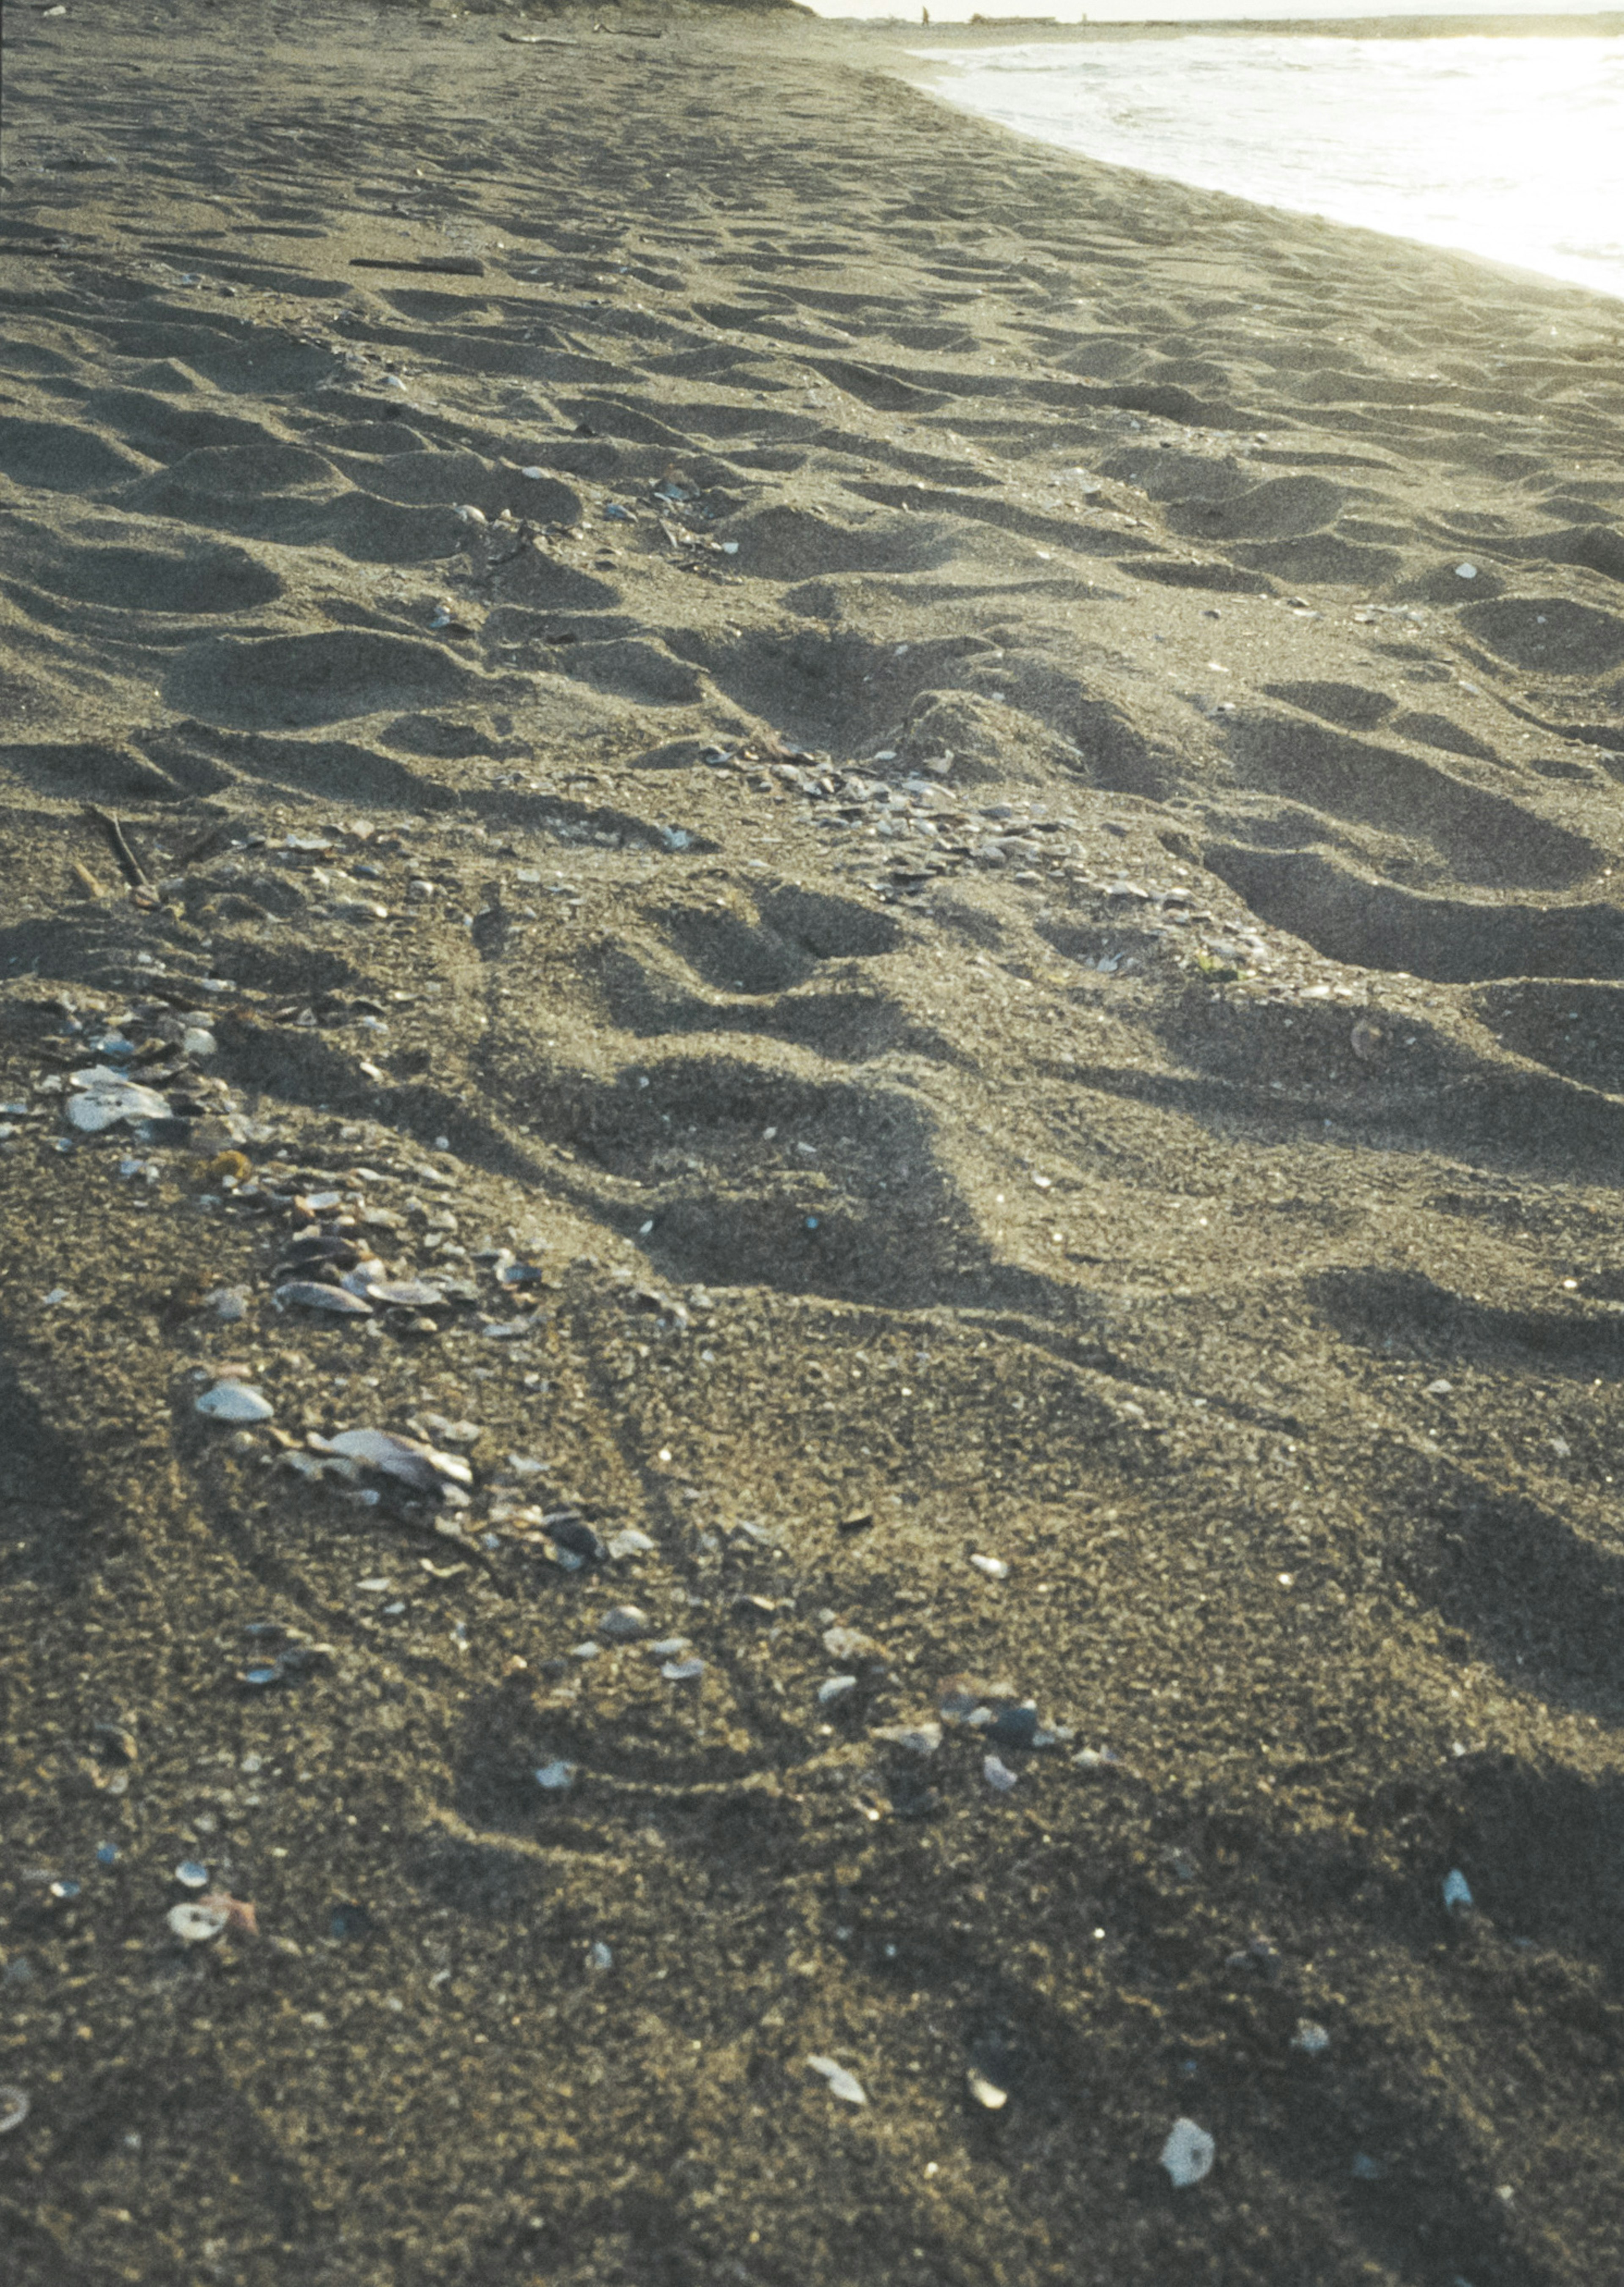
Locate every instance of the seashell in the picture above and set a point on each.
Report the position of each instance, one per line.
(14, 2107)
(1188, 2154)
(106, 1096)
(683, 1670)
(997, 1774)
(191, 1875)
(313, 1296)
(835, 1687)
(417, 1464)
(918, 1739)
(395, 1294)
(195, 1924)
(844, 2085)
(234, 1401)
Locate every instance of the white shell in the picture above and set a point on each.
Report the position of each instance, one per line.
(195, 1925)
(234, 1401)
(844, 2085)
(417, 1464)
(1457, 1890)
(555, 1776)
(106, 1096)
(1188, 2154)
(835, 1687)
(315, 1296)
(997, 1774)
(994, 1567)
(14, 2107)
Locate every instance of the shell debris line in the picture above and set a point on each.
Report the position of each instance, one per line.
(812, 1079)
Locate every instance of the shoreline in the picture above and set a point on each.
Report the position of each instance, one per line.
(1019, 31)
(844, 895)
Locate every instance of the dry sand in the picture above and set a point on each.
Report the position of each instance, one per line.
(1170, 1148)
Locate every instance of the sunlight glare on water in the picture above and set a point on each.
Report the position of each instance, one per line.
(1507, 147)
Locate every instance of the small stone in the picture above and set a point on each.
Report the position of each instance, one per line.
(15, 2107)
(556, 1775)
(835, 1689)
(1188, 2154)
(844, 2085)
(986, 2093)
(1457, 1891)
(196, 1924)
(601, 1956)
(234, 1401)
(191, 1875)
(1311, 2038)
(683, 1670)
(993, 1567)
(997, 1774)
(623, 1622)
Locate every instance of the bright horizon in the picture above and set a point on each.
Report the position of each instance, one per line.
(1187, 11)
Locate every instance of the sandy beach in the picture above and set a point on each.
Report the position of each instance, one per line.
(812, 975)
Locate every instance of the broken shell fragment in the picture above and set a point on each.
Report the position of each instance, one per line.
(234, 1401)
(556, 1775)
(14, 2107)
(844, 2085)
(1188, 2154)
(986, 2093)
(918, 1739)
(417, 1464)
(623, 1622)
(195, 1924)
(104, 1097)
(311, 1296)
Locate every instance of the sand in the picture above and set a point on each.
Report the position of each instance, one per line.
(946, 931)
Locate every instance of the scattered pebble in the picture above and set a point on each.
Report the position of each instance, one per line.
(986, 2093)
(556, 1775)
(191, 1875)
(1311, 2038)
(994, 1567)
(997, 1774)
(835, 1687)
(683, 1670)
(1188, 2154)
(844, 2085)
(1457, 1891)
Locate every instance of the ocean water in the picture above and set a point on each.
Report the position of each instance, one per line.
(1511, 147)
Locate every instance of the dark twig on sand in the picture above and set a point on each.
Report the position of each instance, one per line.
(129, 865)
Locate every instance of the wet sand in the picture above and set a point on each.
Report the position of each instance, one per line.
(840, 820)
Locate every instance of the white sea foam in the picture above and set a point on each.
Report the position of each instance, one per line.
(1511, 147)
